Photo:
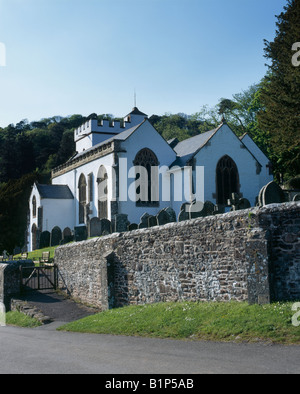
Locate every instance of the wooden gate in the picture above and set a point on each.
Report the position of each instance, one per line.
(38, 278)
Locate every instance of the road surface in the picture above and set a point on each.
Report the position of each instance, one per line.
(45, 351)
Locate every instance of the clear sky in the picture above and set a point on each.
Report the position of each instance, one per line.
(67, 57)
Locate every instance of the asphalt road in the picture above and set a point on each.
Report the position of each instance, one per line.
(46, 351)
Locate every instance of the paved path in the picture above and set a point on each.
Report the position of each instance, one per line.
(58, 307)
(38, 351)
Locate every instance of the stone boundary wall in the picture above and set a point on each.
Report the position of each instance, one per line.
(250, 255)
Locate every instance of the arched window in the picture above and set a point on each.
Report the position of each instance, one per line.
(34, 207)
(227, 179)
(102, 193)
(82, 198)
(147, 181)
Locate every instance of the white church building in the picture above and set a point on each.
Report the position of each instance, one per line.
(128, 168)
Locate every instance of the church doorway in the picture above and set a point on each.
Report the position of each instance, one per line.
(227, 180)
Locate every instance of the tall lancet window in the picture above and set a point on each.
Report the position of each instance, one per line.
(227, 180)
(147, 179)
(34, 207)
(82, 198)
(102, 179)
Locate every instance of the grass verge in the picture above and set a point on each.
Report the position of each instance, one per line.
(197, 321)
(21, 320)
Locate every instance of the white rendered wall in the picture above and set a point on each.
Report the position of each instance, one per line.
(144, 137)
(56, 212)
(224, 142)
(71, 179)
(264, 176)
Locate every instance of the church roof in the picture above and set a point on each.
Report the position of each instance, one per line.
(186, 149)
(59, 192)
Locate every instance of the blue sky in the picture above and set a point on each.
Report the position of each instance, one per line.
(68, 57)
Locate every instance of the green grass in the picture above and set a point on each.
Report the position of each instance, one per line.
(35, 255)
(197, 321)
(21, 320)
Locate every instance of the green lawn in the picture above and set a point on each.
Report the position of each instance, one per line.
(197, 321)
(35, 255)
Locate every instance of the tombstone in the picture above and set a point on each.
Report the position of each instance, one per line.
(120, 223)
(95, 227)
(133, 226)
(56, 236)
(152, 221)
(106, 227)
(45, 239)
(144, 221)
(172, 214)
(80, 233)
(238, 203)
(195, 209)
(272, 194)
(67, 236)
(260, 199)
(183, 215)
(185, 207)
(296, 197)
(219, 209)
(162, 218)
(244, 204)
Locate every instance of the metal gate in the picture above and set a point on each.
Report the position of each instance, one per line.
(38, 278)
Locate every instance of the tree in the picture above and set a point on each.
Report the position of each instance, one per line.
(280, 96)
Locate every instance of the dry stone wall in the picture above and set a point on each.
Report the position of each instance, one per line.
(250, 255)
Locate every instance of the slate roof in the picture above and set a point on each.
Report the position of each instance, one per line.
(59, 192)
(187, 149)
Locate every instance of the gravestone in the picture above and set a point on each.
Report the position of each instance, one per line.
(95, 227)
(198, 209)
(45, 239)
(120, 223)
(244, 204)
(105, 226)
(56, 236)
(183, 215)
(133, 226)
(296, 197)
(152, 221)
(272, 194)
(172, 214)
(144, 221)
(195, 209)
(80, 233)
(260, 199)
(67, 236)
(162, 218)
(238, 203)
